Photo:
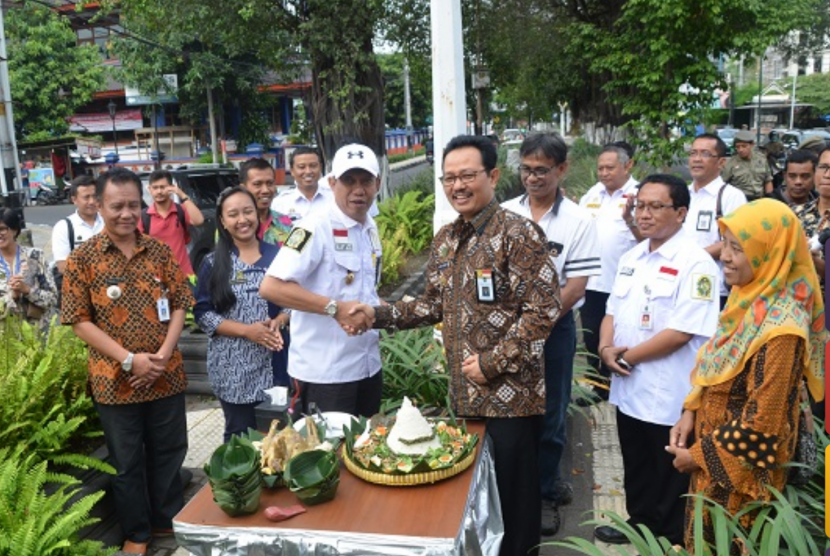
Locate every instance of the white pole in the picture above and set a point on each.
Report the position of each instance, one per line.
(407, 103)
(448, 103)
(8, 145)
(792, 100)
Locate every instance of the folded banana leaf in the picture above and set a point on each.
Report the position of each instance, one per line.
(313, 476)
(234, 476)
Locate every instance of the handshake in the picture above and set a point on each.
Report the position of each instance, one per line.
(354, 317)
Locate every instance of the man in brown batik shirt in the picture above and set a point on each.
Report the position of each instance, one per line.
(125, 296)
(491, 282)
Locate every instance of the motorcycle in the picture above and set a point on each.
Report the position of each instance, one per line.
(46, 196)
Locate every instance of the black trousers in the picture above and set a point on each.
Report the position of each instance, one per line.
(360, 397)
(654, 489)
(147, 443)
(239, 417)
(515, 453)
(591, 314)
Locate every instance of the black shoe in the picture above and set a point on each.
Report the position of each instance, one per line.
(610, 535)
(551, 518)
(563, 493)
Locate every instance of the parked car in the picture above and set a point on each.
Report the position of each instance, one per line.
(727, 134)
(202, 183)
(512, 137)
(793, 138)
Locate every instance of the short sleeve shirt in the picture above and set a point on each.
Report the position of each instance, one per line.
(748, 175)
(674, 287)
(296, 206)
(701, 222)
(614, 236)
(168, 230)
(571, 235)
(61, 246)
(120, 296)
(339, 258)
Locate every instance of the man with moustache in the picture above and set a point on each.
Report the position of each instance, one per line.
(329, 260)
(258, 176)
(125, 296)
(799, 179)
(491, 281)
(573, 246)
(609, 204)
(711, 197)
(662, 308)
(307, 198)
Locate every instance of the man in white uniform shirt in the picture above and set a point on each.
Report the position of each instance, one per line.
(328, 259)
(572, 242)
(69, 233)
(609, 204)
(711, 198)
(662, 308)
(308, 197)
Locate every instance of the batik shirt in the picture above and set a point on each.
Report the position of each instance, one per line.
(493, 285)
(119, 295)
(39, 305)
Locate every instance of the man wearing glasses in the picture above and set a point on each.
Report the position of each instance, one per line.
(662, 308)
(711, 197)
(492, 283)
(573, 246)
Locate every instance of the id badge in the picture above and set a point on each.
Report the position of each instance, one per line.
(484, 286)
(163, 308)
(646, 318)
(704, 221)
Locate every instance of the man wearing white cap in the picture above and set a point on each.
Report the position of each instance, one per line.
(330, 261)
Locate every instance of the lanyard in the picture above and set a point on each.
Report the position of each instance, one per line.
(16, 264)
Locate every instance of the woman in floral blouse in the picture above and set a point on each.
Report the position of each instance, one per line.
(26, 287)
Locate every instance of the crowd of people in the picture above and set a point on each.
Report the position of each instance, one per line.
(703, 314)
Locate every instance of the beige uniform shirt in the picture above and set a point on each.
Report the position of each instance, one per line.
(748, 175)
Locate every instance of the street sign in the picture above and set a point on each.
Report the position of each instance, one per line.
(135, 98)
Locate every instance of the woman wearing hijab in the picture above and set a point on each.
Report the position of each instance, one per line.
(744, 406)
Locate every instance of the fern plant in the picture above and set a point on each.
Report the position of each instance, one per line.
(33, 522)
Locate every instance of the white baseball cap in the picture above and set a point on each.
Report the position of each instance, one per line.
(352, 157)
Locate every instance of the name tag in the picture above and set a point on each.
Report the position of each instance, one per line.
(627, 271)
(163, 308)
(484, 286)
(343, 246)
(704, 221)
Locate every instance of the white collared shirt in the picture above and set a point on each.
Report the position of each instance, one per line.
(61, 246)
(571, 234)
(294, 204)
(614, 235)
(340, 260)
(677, 286)
(701, 224)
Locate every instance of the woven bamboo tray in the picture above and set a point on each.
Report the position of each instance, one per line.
(411, 479)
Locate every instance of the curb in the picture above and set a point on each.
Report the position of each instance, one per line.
(404, 164)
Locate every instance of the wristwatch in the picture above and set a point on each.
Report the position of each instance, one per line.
(331, 308)
(127, 364)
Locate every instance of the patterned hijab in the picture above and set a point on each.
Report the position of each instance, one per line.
(782, 298)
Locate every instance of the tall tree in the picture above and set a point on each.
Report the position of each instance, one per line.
(393, 90)
(218, 43)
(50, 75)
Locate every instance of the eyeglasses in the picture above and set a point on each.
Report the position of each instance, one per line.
(466, 178)
(527, 171)
(653, 207)
(706, 155)
(823, 168)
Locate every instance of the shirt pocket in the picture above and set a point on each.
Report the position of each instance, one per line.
(347, 274)
(662, 302)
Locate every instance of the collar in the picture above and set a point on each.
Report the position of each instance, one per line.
(141, 241)
(348, 221)
(668, 250)
(711, 188)
(98, 219)
(554, 208)
(624, 190)
(153, 210)
(480, 220)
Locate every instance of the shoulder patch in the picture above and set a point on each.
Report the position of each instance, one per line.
(703, 287)
(298, 239)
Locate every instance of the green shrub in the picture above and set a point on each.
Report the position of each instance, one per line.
(44, 407)
(393, 158)
(414, 366)
(405, 227)
(33, 522)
